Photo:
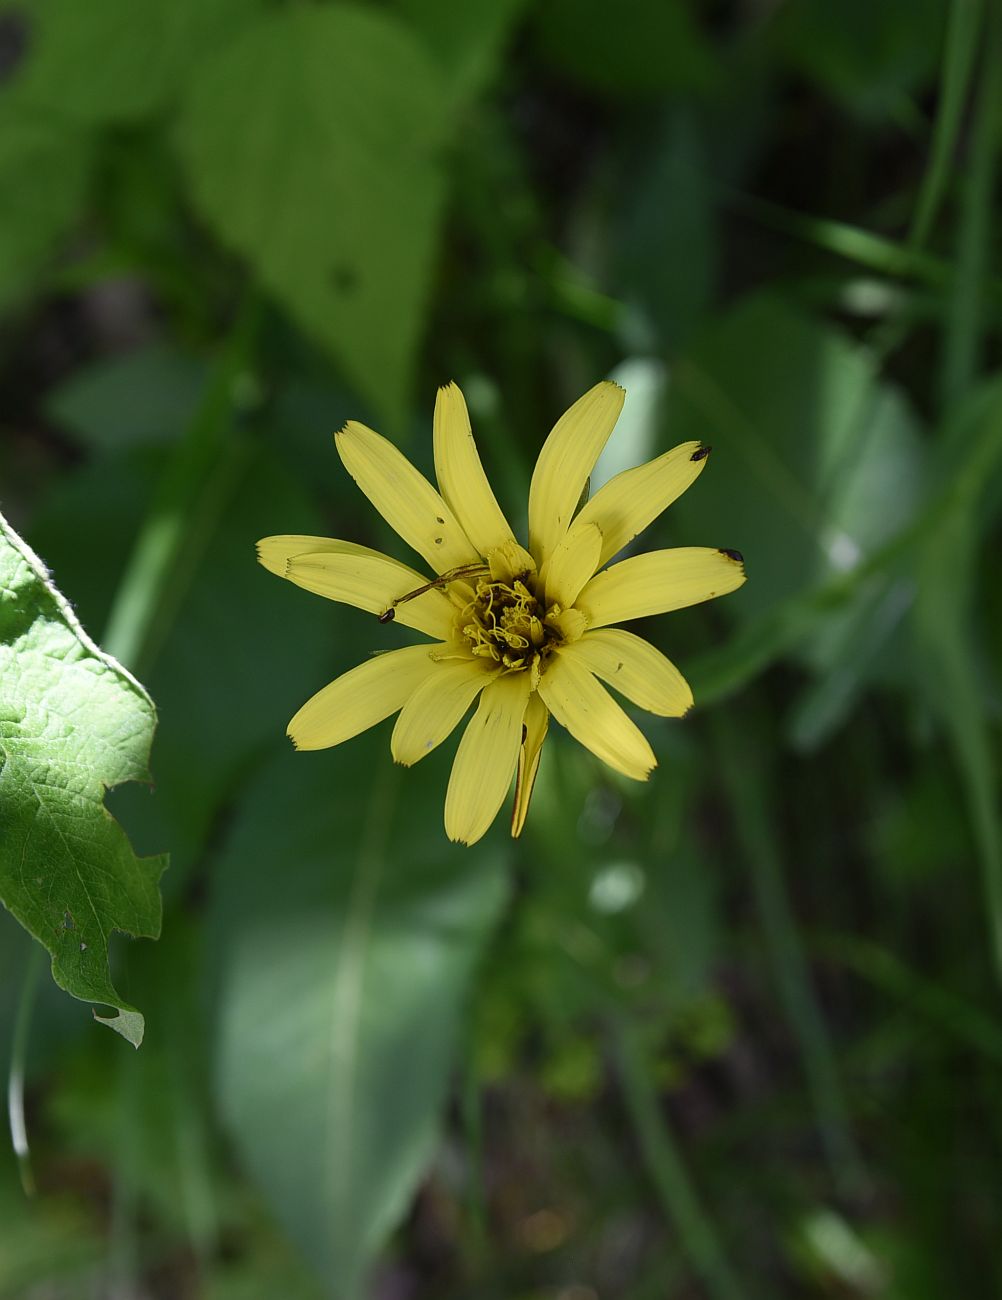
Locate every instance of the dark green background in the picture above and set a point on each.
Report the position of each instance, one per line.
(734, 1033)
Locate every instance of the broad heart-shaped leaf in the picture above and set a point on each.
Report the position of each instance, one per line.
(116, 60)
(311, 143)
(73, 723)
(346, 928)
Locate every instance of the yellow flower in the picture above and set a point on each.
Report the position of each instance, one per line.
(527, 631)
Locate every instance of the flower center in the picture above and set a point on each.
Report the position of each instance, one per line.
(506, 622)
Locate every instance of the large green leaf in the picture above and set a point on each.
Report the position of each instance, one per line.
(346, 927)
(816, 464)
(115, 60)
(73, 723)
(44, 172)
(312, 146)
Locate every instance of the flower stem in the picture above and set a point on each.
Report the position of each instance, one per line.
(664, 1162)
(740, 767)
(18, 1057)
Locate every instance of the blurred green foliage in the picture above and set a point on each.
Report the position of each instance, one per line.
(733, 1033)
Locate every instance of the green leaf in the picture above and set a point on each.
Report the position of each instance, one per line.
(948, 649)
(815, 460)
(666, 252)
(346, 927)
(870, 57)
(44, 172)
(642, 48)
(145, 396)
(73, 723)
(468, 39)
(312, 146)
(816, 464)
(117, 60)
(208, 739)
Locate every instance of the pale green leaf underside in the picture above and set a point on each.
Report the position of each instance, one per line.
(73, 723)
(346, 931)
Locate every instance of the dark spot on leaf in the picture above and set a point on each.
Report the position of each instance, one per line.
(344, 279)
(619, 668)
(701, 453)
(388, 615)
(736, 556)
(438, 541)
(14, 40)
(525, 732)
(439, 519)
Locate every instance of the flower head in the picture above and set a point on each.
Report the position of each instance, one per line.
(524, 631)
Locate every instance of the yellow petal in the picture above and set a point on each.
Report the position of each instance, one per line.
(485, 760)
(276, 552)
(592, 716)
(437, 706)
(635, 498)
(565, 462)
(635, 668)
(573, 560)
(360, 698)
(659, 581)
(461, 477)
(570, 623)
(535, 723)
(405, 498)
(509, 561)
(356, 575)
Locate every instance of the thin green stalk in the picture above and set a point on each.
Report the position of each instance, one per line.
(740, 767)
(963, 26)
(964, 321)
(875, 252)
(953, 1015)
(18, 1061)
(944, 620)
(721, 672)
(697, 1235)
(471, 1103)
(200, 461)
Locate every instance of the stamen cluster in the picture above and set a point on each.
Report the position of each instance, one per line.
(506, 622)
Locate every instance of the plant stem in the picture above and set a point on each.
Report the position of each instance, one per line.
(964, 317)
(660, 1151)
(153, 582)
(18, 1059)
(959, 49)
(740, 766)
